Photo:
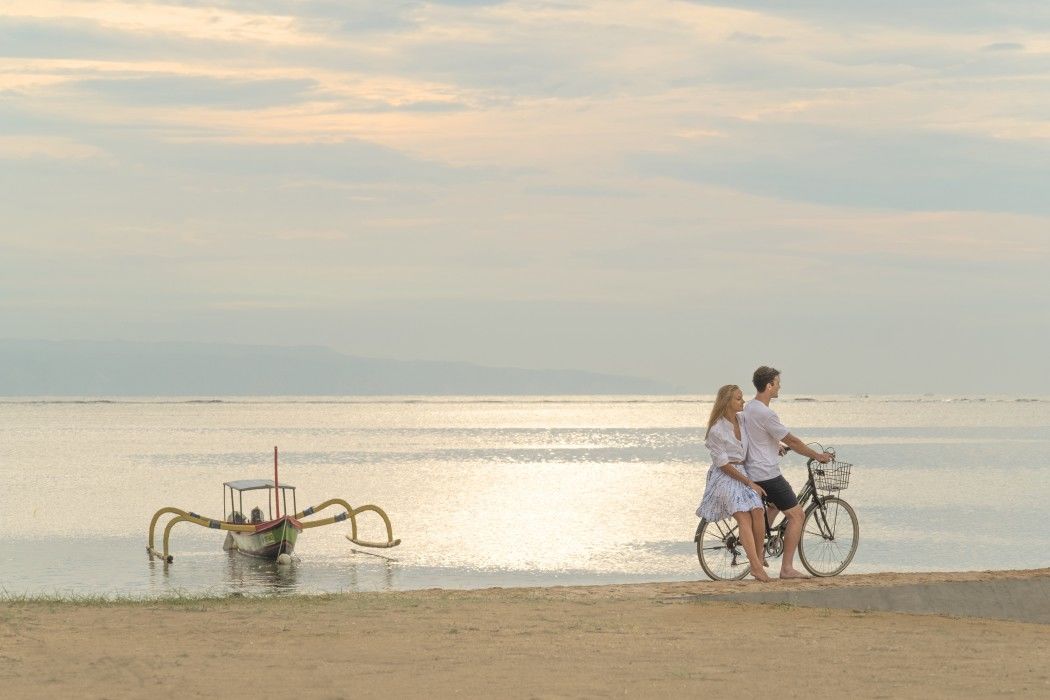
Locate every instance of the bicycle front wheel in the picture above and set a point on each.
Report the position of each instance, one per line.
(718, 548)
(830, 535)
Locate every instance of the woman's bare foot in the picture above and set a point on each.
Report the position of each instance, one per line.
(791, 573)
(760, 575)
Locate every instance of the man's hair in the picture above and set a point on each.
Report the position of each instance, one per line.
(763, 376)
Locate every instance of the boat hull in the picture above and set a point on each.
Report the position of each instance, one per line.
(270, 539)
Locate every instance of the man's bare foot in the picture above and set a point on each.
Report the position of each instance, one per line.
(761, 576)
(791, 573)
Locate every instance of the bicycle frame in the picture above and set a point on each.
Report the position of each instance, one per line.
(807, 494)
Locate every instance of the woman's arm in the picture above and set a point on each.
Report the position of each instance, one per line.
(717, 443)
(729, 470)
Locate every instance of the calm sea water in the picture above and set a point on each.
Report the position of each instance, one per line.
(494, 492)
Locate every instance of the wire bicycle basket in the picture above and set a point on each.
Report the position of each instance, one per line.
(833, 476)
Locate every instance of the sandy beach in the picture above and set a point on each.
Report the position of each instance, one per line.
(659, 639)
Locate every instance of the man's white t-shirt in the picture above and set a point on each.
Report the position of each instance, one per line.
(764, 433)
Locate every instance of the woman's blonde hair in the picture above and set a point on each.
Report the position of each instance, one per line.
(722, 399)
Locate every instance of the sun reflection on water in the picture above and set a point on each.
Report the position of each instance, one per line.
(510, 492)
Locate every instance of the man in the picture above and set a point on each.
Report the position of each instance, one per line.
(765, 432)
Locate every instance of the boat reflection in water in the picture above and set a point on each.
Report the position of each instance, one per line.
(255, 576)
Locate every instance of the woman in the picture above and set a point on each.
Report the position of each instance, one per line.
(729, 491)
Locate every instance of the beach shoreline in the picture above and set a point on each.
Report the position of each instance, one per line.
(587, 641)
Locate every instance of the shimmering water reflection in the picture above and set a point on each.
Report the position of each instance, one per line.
(504, 492)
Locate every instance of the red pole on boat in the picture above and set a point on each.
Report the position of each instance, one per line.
(276, 491)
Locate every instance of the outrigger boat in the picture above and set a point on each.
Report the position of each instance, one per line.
(273, 538)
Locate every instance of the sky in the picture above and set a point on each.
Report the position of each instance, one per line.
(853, 192)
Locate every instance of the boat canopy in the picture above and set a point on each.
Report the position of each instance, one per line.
(253, 484)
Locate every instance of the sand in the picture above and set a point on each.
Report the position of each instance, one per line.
(644, 640)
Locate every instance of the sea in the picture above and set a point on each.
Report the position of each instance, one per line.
(493, 491)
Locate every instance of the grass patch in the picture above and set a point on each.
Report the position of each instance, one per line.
(103, 600)
(180, 600)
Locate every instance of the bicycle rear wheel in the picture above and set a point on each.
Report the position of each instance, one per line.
(829, 537)
(718, 548)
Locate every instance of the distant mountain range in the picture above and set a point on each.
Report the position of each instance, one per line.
(85, 368)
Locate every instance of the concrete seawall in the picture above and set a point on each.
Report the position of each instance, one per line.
(1023, 600)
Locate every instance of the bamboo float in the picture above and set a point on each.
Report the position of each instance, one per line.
(271, 538)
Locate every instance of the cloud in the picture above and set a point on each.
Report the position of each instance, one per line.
(154, 18)
(894, 170)
(964, 15)
(50, 147)
(747, 38)
(202, 91)
(1004, 46)
(346, 161)
(616, 180)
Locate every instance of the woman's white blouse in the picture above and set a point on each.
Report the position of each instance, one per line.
(723, 444)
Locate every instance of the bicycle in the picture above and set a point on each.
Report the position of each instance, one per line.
(830, 531)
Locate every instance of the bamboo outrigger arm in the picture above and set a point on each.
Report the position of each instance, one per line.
(351, 515)
(183, 516)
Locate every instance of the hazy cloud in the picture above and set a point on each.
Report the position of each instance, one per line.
(655, 187)
(868, 168)
(184, 90)
(1004, 46)
(964, 15)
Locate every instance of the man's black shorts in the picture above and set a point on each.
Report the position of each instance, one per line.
(779, 492)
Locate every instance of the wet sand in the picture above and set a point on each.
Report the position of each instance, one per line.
(673, 640)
